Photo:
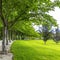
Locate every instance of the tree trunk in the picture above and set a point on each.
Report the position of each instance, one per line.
(4, 29)
(45, 42)
(4, 39)
(10, 36)
(7, 38)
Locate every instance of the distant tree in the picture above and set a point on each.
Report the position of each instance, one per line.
(57, 35)
(46, 34)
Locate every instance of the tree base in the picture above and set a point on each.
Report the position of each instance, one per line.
(1, 52)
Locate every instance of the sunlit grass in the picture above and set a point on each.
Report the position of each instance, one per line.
(35, 50)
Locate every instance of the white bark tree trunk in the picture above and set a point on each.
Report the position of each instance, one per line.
(4, 40)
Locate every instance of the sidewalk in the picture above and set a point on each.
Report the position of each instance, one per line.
(7, 56)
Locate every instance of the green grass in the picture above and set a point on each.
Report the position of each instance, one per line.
(35, 50)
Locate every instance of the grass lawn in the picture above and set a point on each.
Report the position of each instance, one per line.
(35, 50)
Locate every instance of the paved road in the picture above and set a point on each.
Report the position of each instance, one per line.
(0, 45)
(0, 42)
(8, 56)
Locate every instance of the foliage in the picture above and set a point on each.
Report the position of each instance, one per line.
(26, 28)
(57, 35)
(19, 11)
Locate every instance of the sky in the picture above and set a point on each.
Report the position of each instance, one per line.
(56, 14)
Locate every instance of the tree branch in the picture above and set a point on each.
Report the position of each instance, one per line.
(16, 19)
(1, 15)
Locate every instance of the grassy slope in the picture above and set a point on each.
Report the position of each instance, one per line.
(35, 50)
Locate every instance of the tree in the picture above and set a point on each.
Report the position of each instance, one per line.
(45, 31)
(57, 35)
